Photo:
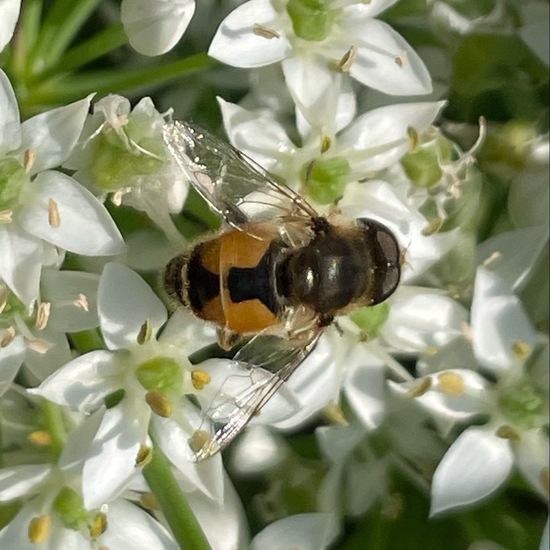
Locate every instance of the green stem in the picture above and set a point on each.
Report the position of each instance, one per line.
(63, 23)
(55, 426)
(26, 33)
(102, 43)
(179, 515)
(72, 87)
(87, 340)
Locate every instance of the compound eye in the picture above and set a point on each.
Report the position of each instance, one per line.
(385, 256)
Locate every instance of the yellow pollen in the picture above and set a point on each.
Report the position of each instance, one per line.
(421, 388)
(116, 197)
(82, 302)
(451, 383)
(521, 349)
(265, 32)
(40, 528)
(402, 59)
(6, 216)
(149, 501)
(199, 379)
(344, 65)
(40, 438)
(29, 158)
(98, 525)
(53, 214)
(145, 332)
(431, 350)
(7, 337)
(507, 432)
(158, 403)
(199, 440)
(144, 456)
(42, 315)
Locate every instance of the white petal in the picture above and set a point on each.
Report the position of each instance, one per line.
(508, 256)
(421, 318)
(313, 531)
(364, 386)
(316, 383)
(11, 357)
(365, 482)
(236, 44)
(384, 61)
(128, 524)
(259, 136)
(10, 128)
(18, 481)
(155, 28)
(73, 299)
(474, 467)
(111, 462)
(125, 302)
(498, 322)
(317, 92)
(381, 134)
(187, 332)
(77, 446)
(10, 13)
(206, 476)
(20, 267)
(532, 455)
(337, 442)
(82, 383)
(53, 134)
(59, 353)
(85, 226)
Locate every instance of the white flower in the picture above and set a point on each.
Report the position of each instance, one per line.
(515, 405)
(35, 335)
(135, 376)
(154, 28)
(42, 209)
(372, 142)
(317, 42)
(121, 151)
(53, 514)
(10, 14)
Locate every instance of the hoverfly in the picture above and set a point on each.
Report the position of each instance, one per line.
(275, 276)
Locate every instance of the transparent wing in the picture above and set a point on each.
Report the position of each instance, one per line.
(265, 363)
(233, 184)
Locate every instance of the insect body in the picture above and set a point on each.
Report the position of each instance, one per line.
(279, 273)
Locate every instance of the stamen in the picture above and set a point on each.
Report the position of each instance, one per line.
(344, 65)
(421, 388)
(199, 379)
(38, 345)
(402, 59)
(6, 216)
(414, 139)
(53, 214)
(29, 158)
(4, 295)
(82, 302)
(40, 438)
(144, 456)
(145, 332)
(265, 32)
(507, 432)
(42, 315)
(40, 528)
(492, 259)
(99, 525)
(159, 403)
(7, 337)
(521, 349)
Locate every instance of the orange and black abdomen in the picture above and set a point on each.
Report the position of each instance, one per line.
(230, 281)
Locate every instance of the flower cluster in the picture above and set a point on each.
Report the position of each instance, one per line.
(436, 399)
